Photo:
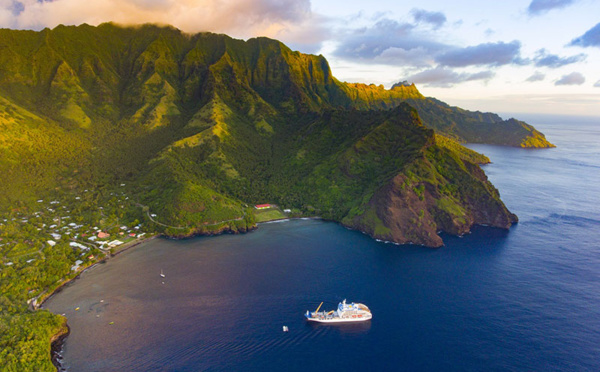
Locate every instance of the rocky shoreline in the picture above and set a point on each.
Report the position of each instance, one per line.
(200, 231)
(56, 345)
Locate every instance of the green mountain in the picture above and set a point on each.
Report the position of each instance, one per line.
(202, 126)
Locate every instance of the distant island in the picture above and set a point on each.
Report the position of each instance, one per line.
(182, 134)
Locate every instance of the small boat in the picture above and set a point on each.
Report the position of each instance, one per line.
(344, 313)
(161, 274)
(286, 329)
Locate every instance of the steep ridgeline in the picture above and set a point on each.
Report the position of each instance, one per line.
(202, 125)
(477, 127)
(453, 122)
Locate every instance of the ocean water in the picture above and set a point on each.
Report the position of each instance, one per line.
(493, 300)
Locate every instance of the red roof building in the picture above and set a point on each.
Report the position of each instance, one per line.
(262, 206)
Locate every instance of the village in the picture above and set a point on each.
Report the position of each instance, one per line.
(91, 233)
(62, 221)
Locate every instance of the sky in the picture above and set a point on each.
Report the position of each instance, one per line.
(511, 56)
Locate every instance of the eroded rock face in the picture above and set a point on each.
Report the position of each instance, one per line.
(408, 210)
(408, 214)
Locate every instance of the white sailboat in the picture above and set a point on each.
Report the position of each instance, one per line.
(161, 274)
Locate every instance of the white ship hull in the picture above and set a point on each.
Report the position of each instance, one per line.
(339, 320)
(346, 313)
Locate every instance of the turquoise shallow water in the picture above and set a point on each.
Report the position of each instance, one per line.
(524, 299)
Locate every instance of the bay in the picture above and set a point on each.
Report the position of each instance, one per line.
(523, 299)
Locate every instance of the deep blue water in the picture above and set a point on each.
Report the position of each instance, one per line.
(494, 300)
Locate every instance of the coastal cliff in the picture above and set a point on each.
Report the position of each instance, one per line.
(440, 189)
(409, 211)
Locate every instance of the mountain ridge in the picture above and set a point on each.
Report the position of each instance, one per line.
(202, 118)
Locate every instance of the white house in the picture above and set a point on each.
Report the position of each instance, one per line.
(78, 245)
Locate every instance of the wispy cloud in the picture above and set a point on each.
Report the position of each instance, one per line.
(491, 54)
(537, 76)
(538, 7)
(574, 78)
(436, 19)
(446, 78)
(590, 39)
(544, 59)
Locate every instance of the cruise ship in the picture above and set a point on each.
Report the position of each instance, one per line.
(344, 313)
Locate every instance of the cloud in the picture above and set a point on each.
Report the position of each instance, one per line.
(239, 18)
(445, 78)
(574, 78)
(388, 42)
(6, 15)
(414, 57)
(597, 85)
(306, 36)
(590, 39)
(538, 7)
(490, 54)
(544, 59)
(406, 44)
(436, 19)
(537, 76)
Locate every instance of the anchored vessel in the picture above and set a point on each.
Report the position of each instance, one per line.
(344, 313)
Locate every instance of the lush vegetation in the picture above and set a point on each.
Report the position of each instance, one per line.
(133, 131)
(465, 153)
